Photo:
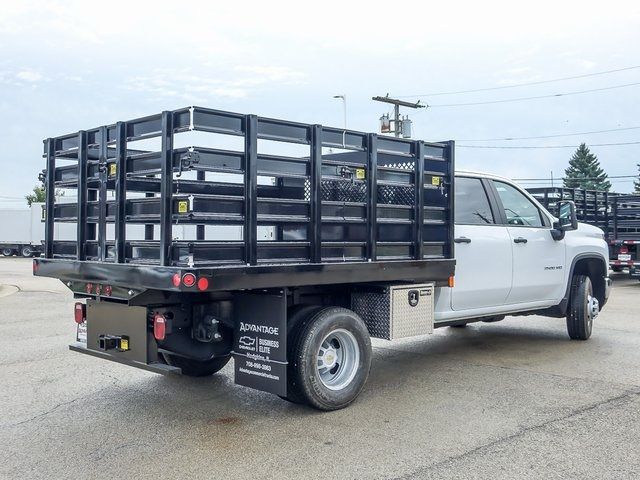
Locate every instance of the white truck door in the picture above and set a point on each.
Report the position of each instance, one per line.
(538, 259)
(482, 250)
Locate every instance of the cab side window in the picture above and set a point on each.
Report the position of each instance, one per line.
(471, 203)
(520, 211)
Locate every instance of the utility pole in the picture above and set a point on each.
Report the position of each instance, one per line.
(401, 126)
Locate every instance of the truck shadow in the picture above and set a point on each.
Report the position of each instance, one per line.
(393, 362)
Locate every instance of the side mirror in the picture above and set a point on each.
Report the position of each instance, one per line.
(567, 219)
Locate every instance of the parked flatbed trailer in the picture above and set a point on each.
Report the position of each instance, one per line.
(618, 215)
(346, 213)
(625, 233)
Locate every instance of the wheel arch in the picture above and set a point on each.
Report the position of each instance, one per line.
(593, 265)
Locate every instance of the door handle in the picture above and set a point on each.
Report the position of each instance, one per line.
(462, 240)
(520, 240)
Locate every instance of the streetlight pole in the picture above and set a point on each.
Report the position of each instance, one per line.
(344, 107)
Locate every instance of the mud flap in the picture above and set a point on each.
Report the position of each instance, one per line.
(260, 341)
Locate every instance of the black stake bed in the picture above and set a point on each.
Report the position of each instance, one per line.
(263, 203)
(616, 214)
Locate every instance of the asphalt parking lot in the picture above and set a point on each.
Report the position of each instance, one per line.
(514, 399)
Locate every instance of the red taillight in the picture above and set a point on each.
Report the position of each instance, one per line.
(108, 290)
(203, 284)
(35, 267)
(624, 250)
(189, 279)
(159, 327)
(176, 280)
(80, 312)
(89, 288)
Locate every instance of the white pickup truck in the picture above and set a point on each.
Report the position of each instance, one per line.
(514, 258)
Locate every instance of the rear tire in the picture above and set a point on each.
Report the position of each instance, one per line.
(329, 358)
(197, 368)
(584, 308)
(296, 316)
(7, 252)
(26, 251)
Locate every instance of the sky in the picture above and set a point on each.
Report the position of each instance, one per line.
(71, 65)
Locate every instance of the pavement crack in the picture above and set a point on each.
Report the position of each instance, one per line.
(623, 398)
(55, 407)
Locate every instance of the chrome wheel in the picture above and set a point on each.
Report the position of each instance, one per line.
(593, 307)
(338, 359)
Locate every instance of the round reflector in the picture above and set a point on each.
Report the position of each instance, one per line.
(203, 283)
(189, 279)
(176, 280)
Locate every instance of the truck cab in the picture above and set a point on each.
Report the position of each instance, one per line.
(512, 258)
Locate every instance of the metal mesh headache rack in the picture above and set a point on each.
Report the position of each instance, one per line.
(245, 199)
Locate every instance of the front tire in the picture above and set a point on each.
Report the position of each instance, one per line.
(329, 358)
(197, 368)
(584, 308)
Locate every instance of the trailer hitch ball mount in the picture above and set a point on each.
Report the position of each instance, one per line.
(207, 330)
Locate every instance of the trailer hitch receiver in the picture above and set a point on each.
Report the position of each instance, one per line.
(113, 342)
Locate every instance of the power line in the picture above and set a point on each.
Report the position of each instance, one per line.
(540, 82)
(548, 136)
(580, 178)
(537, 97)
(544, 146)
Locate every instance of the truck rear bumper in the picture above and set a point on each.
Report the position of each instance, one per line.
(155, 367)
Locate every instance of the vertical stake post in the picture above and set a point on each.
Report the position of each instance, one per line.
(251, 189)
(121, 191)
(50, 192)
(315, 177)
(166, 189)
(81, 233)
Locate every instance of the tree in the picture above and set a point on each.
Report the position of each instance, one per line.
(584, 171)
(37, 196)
(636, 185)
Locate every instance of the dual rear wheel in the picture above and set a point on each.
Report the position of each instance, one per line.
(329, 351)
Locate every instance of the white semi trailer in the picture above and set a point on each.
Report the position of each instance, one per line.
(22, 230)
